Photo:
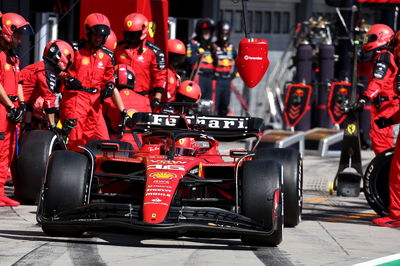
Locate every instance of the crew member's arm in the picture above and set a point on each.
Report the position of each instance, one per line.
(4, 97)
(118, 100)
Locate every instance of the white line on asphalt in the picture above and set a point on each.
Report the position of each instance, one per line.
(380, 260)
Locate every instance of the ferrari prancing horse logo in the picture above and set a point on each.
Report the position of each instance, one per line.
(351, 128)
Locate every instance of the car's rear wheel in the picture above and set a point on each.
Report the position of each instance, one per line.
(261, 200)
(292, 181)
(65, 188)
(36, 147)
(376, 182)
(125, 147)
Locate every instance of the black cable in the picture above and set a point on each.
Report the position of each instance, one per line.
(244, 13)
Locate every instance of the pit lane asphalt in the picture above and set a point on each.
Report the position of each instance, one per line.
(334, 231)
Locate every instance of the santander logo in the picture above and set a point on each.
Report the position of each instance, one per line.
(247, 57)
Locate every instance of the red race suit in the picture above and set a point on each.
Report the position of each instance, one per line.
(148, 63)
(94, 69)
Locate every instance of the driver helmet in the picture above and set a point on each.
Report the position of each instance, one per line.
(185, 147)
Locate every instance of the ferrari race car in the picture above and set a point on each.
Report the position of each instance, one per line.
(172, 187)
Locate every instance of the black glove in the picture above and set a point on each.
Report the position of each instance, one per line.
(383, 122)
(358, 106)
(156, 102)
(73, 83)
(15, 115)
(59, 133)
(107, 92)
(124, 120)
(22, 106)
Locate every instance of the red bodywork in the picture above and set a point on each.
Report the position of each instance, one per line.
(163, 175)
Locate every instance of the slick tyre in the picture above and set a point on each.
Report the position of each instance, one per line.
(35, 150)
(261, 189)
(376, 182)
(292, 181)
(126, 147)
(65, 188)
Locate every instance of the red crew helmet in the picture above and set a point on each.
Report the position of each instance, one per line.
(188, 91)
(97, 23)
(60, 54)
(379, 35)
(111, 41)
(13, 23)
(176, 46)
(124, 77)
(136, 22)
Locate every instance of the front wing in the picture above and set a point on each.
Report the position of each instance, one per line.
(179, 220)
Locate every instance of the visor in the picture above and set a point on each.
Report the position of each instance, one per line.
(101, 30)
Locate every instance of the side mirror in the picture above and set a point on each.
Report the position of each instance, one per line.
(238, 153)
(108, 147)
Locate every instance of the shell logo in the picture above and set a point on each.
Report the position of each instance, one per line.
(101, 55)
(129, 23)
(179, 46)
(85, 61)
(163, 175)
(66, 52)
(123, 56)
(7, 66)
(189, 88)
(8, 22)
(171, 80)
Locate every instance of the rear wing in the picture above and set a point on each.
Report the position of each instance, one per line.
(222, 128)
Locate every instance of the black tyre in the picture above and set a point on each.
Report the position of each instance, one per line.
(376, 182)
(125, 146)
(260, 181)
(292, 180)
(66, 187)
(36, 147)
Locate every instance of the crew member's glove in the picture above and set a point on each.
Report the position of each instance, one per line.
(156, 102)
(22, 106)
(358, 106)
(107, 92)
(15, 115)
(124, 121)
(58, 131)
(383, 122)
(73, 83)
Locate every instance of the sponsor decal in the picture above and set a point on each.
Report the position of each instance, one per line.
(159, 181)
(167, 162)
(153, 215)
(166, 167)
(163, 175)
(152, 29)
(158, 190)
(156, 200)
(129, 23)
(157, 194)
(85, 61)
(7, 66)
(101, 55)
(226, 123)
(156, 203)
(246, 57)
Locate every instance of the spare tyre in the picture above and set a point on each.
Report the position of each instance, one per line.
(376, 182)
(35, 150)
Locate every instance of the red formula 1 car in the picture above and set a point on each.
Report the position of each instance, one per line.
(167, 187)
